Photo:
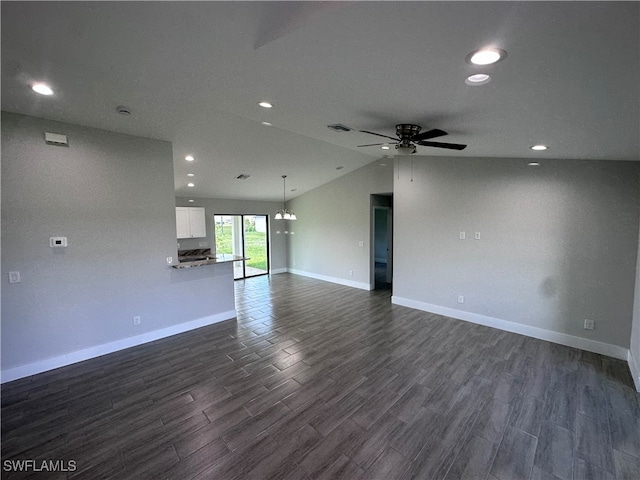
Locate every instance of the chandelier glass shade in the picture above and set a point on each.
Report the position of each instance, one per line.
(284, 213)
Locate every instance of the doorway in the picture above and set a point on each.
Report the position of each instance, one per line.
(246, 236)
(382, 244)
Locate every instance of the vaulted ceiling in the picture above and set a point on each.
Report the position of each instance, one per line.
(193, 73)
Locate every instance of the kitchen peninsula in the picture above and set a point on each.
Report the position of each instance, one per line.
(201, 257)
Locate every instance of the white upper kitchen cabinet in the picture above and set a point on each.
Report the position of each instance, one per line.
(190, 222)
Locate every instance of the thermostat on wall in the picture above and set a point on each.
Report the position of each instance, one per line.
(58, 242)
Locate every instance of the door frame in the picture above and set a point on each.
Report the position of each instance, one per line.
(389, 241)
(243, 243)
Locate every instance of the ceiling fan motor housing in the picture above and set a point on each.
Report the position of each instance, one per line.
(407, 130)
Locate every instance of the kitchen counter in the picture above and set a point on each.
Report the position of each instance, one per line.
(210, 260)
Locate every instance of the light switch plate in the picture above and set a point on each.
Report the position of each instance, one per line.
(57, 242)
(14, 277)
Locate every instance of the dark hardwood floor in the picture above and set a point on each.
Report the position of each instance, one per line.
(317, 380)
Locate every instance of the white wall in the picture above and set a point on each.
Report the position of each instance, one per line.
(217, 206)
(113, 196)
(558, 244)
(332, 220)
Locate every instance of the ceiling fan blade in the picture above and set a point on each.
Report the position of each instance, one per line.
(380, 135)
(376, 144)
(433, 133)
(452, 146)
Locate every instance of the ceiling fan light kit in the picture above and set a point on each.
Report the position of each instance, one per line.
(405, 149)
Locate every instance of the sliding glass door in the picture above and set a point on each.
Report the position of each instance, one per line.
(246, 236)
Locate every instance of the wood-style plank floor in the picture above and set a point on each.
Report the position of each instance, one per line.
(321, 381)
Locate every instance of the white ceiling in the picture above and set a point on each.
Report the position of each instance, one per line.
(193, 73)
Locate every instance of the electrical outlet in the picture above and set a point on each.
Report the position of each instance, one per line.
(477, 235)
(169, 260)
(350, 272)
(589, 324)
(137, 320)
(460, 298)
(463, 235)
(361, 243)
(14, 277)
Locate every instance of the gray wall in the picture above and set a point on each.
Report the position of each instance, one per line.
(113, 196)
(558, 242)
(332, 220)
(634, 348)
(217, 206)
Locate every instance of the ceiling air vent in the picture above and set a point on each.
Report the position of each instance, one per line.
(338, 127)
(56, 139)
(242, 176)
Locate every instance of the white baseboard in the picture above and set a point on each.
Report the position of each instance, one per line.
(634, 366)
(276, 271)
(326, 278)
(527, 330)
(99, 350)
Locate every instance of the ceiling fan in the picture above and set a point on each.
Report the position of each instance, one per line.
(409, 136)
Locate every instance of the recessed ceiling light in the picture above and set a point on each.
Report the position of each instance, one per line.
(42, 89)
(189, 158)
(339, 168)
(385, 147)
(191, 174)
(294, 189)
(486, 56)
(267, 124)
(190, 184)
(338, 127)
(265, 105)
(478, 79)
(534, 164)
(383, 164)
(191, 201)
(122, 110)
(539, 147)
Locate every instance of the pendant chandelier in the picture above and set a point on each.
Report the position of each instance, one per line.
(284, 213)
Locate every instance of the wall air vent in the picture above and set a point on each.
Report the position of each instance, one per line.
(56, 139)
(242, 176)
(338, 127)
